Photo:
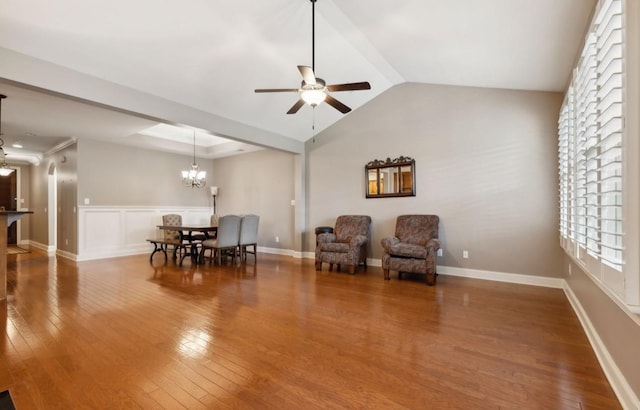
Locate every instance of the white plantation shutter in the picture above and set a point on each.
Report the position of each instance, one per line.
(590, 141)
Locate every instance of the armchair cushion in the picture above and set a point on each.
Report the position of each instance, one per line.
(408, 250)
(335, 247)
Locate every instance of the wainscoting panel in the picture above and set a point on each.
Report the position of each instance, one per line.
(140, 225)
(106, 232)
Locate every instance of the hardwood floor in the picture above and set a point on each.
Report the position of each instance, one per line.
(119, 333)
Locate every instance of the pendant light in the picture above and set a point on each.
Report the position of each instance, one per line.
(4, 167)
(194, 177)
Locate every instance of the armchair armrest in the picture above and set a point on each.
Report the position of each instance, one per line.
(388, 242)
(433, 244)
(357, 241)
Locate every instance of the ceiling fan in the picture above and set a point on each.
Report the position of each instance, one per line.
(314, 90)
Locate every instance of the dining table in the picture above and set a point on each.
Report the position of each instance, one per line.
(190, 237)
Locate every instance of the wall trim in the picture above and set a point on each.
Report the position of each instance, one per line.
(544, 281)
(67, 255)
(277, 251)
(49, 249)
(616, 378)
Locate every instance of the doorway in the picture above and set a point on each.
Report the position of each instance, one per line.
(8, 200)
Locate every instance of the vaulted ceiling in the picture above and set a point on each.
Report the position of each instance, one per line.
(210, 55)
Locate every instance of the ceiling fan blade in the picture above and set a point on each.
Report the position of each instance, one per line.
(296, 106)
(307, 74)
(336, 104)
(350, 86)
(277, 90)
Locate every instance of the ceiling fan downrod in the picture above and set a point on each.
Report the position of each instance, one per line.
(313, 35)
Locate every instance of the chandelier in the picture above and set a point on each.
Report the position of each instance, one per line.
(193, 177)
(4, 167)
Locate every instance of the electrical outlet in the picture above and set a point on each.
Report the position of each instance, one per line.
(465, 254)
(439, 252)
(277, 239)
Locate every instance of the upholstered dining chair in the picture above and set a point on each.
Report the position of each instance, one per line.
(248, 236)
(413, 248)
(213, 221)
(172, 220)
(226, 239)
(347, 245)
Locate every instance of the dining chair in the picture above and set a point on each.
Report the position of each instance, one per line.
(172, 220)
(248, 236)
(226, 241)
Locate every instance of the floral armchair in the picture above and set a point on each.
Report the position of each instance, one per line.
(347, 245)
(413, 248)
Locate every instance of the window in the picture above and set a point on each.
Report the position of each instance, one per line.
(590, 148)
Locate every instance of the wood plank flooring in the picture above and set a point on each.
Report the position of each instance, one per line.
(122, 333)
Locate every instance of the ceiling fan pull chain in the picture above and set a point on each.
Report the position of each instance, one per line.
(313, 124)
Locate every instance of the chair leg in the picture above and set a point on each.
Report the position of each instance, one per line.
(431, 279)
(386, 274)
(318, 265)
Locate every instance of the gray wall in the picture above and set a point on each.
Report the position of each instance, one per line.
(486, 163)
(261, 183)
(119, 175)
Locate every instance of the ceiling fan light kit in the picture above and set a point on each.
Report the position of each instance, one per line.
(314, 90)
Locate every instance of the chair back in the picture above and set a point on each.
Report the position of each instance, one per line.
(228, 231)
(348, 226)
(249, 229)
(417, 229)
(171, 220)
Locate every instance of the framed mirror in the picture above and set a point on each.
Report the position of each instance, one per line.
(390, 178)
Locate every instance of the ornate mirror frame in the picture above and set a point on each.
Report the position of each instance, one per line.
(390, 178)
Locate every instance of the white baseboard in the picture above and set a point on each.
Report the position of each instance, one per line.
(276, 251)
(544, 281)
(67, 255)
(49, 249)
(621, 387)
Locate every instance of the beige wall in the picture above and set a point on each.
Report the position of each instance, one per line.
(486, 163)
(261, 183)
(114, 174)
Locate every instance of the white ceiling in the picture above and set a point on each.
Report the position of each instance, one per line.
(211, 55)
